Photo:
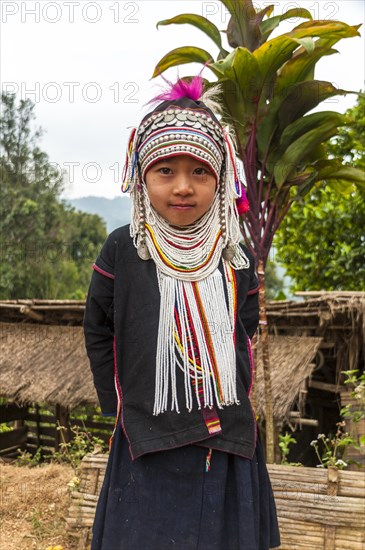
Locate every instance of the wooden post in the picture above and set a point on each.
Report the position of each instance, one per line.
(264, 335)
(38, 426)
(332, 490)
(63, 431)
(19, 423)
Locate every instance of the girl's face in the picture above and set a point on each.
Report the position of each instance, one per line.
(181, 189)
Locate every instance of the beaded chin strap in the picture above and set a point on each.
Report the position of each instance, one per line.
(197, 324)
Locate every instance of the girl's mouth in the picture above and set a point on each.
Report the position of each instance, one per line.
(181, 206)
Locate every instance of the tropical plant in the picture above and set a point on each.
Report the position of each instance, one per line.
(268, 90)
(320, 242)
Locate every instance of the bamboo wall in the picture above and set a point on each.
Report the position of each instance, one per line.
(318, 509)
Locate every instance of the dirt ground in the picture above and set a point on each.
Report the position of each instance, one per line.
(33, 507)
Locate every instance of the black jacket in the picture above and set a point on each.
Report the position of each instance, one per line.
(121, 324)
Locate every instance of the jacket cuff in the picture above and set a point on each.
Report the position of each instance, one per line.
(253, 290)
(108, 402)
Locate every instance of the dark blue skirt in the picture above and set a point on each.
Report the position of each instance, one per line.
(168, 501)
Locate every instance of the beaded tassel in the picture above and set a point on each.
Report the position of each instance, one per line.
(142, 248)
(130, 173)
(232, 195)
(208, 460)
(201, 310)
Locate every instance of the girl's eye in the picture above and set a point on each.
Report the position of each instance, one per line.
(164, 170)
(201, 171)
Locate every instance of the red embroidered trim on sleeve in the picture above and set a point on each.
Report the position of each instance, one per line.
(103, 272)
(253, 290)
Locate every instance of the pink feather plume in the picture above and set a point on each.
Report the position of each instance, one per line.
(192, 89)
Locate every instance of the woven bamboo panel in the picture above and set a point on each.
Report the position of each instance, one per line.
(355, 429)
(83, 503)
(317, 509)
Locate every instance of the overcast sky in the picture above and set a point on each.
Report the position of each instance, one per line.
(87, 66)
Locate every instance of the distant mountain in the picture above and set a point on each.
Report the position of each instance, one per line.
(115, 212)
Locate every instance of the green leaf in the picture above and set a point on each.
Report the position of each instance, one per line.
(243, 27)
(239, 74)
(180, 56)
(272, 55)
(289, 104)
(296, 153)
(302, 125)
(267, 11)
(340, 177)
(298, 68)
(292, 73)
(305, 186)
(304, 97)
(307, 43)
(223, 66)
(200, 23)
(241, 67)
(344, 179)
(269, 25)
(312, 248)
(240, 121)
(326, 28)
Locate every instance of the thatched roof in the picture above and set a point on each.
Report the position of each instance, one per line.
(338, 317)
(50, 312)
(321, 310)
(43, 355)
(291, 363)
(43, 363)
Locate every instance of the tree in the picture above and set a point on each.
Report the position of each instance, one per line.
(321, 241)
(268, 91)
(38, 231)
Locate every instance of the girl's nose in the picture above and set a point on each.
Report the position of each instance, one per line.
(183, 185)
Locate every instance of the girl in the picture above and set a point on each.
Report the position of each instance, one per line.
(171, 308)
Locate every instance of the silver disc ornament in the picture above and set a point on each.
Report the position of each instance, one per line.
(229, 253)
(143, 251)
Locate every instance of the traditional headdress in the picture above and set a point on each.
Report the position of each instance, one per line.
(197, 321)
